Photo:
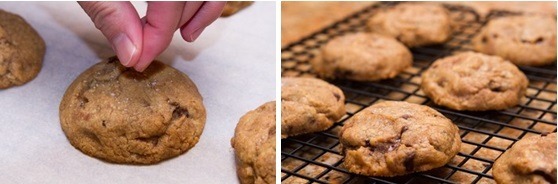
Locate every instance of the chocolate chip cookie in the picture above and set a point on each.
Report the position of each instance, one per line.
(396, 138)
(362, 57)
(530, 160)
(474, 82)
(254, 145)
(414, 24)
(233, 7)
(524, 40)
(21, 51)
(119, 115)
(309, 105)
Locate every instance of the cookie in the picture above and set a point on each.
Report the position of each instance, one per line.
(396, 138)
(122, 116)
(474, 82)
(21, 51)
(254, 145)
(362, 57)
(413, 24)
(524, 40)
(309, 105)
(233, 7)
(530, 160)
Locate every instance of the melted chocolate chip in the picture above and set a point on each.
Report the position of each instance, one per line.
(104, 123)
(409, 164)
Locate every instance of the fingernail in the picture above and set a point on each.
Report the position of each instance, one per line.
(124, 49)
(196, 34)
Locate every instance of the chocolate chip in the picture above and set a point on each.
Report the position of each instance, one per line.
(406, 116)
(367, 143)
(104, 123)
(405, 128)
(112, 59)
(337, 96)
(484, 39)
(271, 131)
(539, 40)
(550, 178)
(495, 86)
(82, 101)
(179, 111)
(409, 164)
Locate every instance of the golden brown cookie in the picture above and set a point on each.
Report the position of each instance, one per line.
(414, 24)
(530, 160)
(475, 82)
(254, 145)
(119, 115)
(233, 7)
(396, 138)
(309, 105)
(523, 40)
(21, 51)
(362, 57)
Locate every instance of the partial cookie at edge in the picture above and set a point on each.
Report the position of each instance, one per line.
(254, 145)
(22, 51)
(309, 105)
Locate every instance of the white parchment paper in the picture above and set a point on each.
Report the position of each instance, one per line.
(232, 63)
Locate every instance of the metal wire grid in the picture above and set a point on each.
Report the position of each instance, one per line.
(316, 158)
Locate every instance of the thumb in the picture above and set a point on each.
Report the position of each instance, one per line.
(120, 24)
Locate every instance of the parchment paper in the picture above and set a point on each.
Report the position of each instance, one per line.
(232, 63)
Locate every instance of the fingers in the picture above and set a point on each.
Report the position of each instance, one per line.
(190, 9)
(207, 13)
(120, 24)
(162, 20)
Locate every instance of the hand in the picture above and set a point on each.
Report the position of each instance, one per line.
(138, 41)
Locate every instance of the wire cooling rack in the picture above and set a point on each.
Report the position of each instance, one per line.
(316, 158)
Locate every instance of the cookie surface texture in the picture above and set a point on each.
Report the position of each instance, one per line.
(474, 82)
(362, 57)
(254, 145)
(397, 138)
(413, 24)
(524, 40)
(309, 105)
(122, 116)
(21, 51)
(530, 160)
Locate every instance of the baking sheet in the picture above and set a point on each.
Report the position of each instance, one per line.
(232, 63)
